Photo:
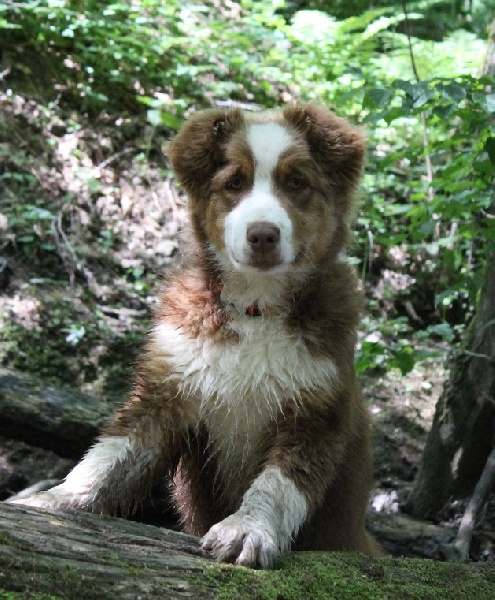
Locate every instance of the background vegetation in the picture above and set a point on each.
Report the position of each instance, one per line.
(94, 88)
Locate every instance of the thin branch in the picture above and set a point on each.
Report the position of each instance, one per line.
(475, 508)
(110, 159)
(478, 355)
(370, 254)
(409, 41)
(489, 60)
(64, 248)
(429, 166)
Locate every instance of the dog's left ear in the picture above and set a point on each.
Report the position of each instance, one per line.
(337, 146)
(196, 152)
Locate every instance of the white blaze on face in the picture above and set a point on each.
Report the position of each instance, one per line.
(267, 141)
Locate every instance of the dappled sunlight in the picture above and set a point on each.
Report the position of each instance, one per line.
(24, 311)
(91, 215)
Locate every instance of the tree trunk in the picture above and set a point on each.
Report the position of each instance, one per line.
(463, 430)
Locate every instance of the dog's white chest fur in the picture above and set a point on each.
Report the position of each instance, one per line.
(238, 386)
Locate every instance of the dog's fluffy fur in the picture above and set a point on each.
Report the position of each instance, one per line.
(245, 395)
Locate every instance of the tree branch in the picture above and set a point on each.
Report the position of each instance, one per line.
(426, 142)
(475, 508)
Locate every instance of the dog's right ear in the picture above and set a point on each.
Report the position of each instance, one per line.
(197, 151)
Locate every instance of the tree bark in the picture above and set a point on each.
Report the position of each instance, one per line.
(85, 556)
(462, 434)
(475, 508)
(61, 420)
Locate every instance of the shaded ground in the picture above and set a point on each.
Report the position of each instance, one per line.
(88, 221)
(402, 407)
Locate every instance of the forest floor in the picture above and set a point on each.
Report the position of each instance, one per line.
(89, 223)
(402, 408)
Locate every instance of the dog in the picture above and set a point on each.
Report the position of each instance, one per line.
(245, 397)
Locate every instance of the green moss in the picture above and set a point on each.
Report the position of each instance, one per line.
(74, 584)
(5, 537)
(299, 576)
(71, 583)
(7, 595)
(44, 349)
(354, 577)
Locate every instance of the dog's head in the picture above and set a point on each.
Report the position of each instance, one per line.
(269, 190)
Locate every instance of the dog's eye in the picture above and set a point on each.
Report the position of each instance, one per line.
(236, 183)
(295, 183)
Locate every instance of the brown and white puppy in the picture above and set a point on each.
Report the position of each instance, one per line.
(245, 396)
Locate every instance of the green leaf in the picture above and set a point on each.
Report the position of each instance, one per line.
(427, 228)
(34, 213)
(396, 112)
(443, 330)
(170, 120)
(444, 112)
(424, 96)
(397, 209)
(490, 149)
(490, 103)
(377, 97)
(454, 91)
(404, 360)
(154, 116)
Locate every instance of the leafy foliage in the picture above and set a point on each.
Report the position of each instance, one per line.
(428, 190)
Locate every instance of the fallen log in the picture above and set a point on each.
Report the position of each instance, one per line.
(402, 535)
(74, 555)
(85, 556)
(64, 421)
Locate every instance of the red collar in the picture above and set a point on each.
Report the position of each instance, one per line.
(254, 310)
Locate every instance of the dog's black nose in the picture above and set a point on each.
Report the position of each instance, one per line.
(263, 237)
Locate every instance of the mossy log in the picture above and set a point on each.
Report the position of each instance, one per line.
(402, 535)
(67, 555)
(85, 556)
(64, 421)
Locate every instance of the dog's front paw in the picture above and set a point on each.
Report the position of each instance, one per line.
(51, 499)
(243, 539)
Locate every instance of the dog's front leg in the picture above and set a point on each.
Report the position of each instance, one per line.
(271, 513)
(109, 479)
(303, 456)
(139, 447)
